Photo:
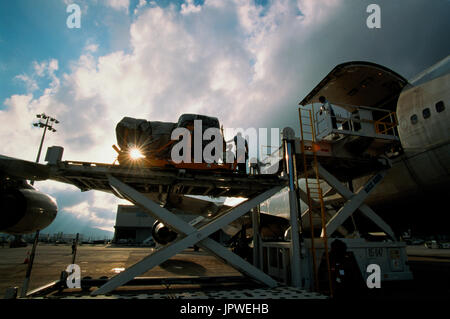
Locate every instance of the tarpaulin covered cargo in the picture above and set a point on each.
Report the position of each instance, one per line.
(207, 121)
(153, 137)
(149, 136)
(186, 120)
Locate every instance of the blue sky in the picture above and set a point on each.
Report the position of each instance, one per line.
(40, 33)
(246, 62)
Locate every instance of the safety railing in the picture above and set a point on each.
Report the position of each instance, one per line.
(387, 124)
(353, 124)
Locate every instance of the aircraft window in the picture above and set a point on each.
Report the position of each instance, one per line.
(440, 106)
(426, 113)
(414, 119)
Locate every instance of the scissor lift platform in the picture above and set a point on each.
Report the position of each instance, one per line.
(280, 292)
(89, 176)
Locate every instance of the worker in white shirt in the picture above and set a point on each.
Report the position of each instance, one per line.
(326, 106)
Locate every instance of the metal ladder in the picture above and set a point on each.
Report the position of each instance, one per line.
(314, 190)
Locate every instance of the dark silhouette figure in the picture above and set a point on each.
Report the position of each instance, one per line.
(326, 106)
(346, 277)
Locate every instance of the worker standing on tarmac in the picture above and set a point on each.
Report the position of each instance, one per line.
(346, 276)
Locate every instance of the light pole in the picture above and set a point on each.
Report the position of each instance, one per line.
(45, 126)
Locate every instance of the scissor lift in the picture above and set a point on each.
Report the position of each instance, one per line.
(322, 161)
(257, 189)
(191, 235)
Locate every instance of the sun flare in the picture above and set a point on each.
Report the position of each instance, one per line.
(136, 154)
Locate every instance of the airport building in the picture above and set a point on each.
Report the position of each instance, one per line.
(133, 225)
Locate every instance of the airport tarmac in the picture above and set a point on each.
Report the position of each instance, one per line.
(430, 267)
(98, 261)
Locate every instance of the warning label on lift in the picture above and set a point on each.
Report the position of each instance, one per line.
(375, 252)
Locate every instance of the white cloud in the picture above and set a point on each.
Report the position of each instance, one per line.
(79, 210)
(118, 4)
(91, 48)
(39, 68)
(83, 211)
(99, 209)
(314, 12)
(189, 7)
(50, 186)
(107, 201)
(140, 5)
(43, 70)
(29, 82)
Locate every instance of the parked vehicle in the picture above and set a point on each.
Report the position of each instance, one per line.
(433, 244)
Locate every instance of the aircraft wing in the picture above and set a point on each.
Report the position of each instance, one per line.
(21, 169)
(165, 186)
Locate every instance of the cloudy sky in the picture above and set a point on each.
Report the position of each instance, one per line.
(247, 62)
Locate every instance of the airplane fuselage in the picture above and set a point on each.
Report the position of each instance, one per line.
(419, 177)
(414, 192)
(418, 183)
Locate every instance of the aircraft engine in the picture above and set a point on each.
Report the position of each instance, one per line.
(25, 210)
(163, 234)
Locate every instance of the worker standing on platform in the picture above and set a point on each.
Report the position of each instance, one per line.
(241, 153)
(326, 106)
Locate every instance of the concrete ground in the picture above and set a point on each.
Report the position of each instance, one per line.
(99, 261)
(422, 251)
(430, 268)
